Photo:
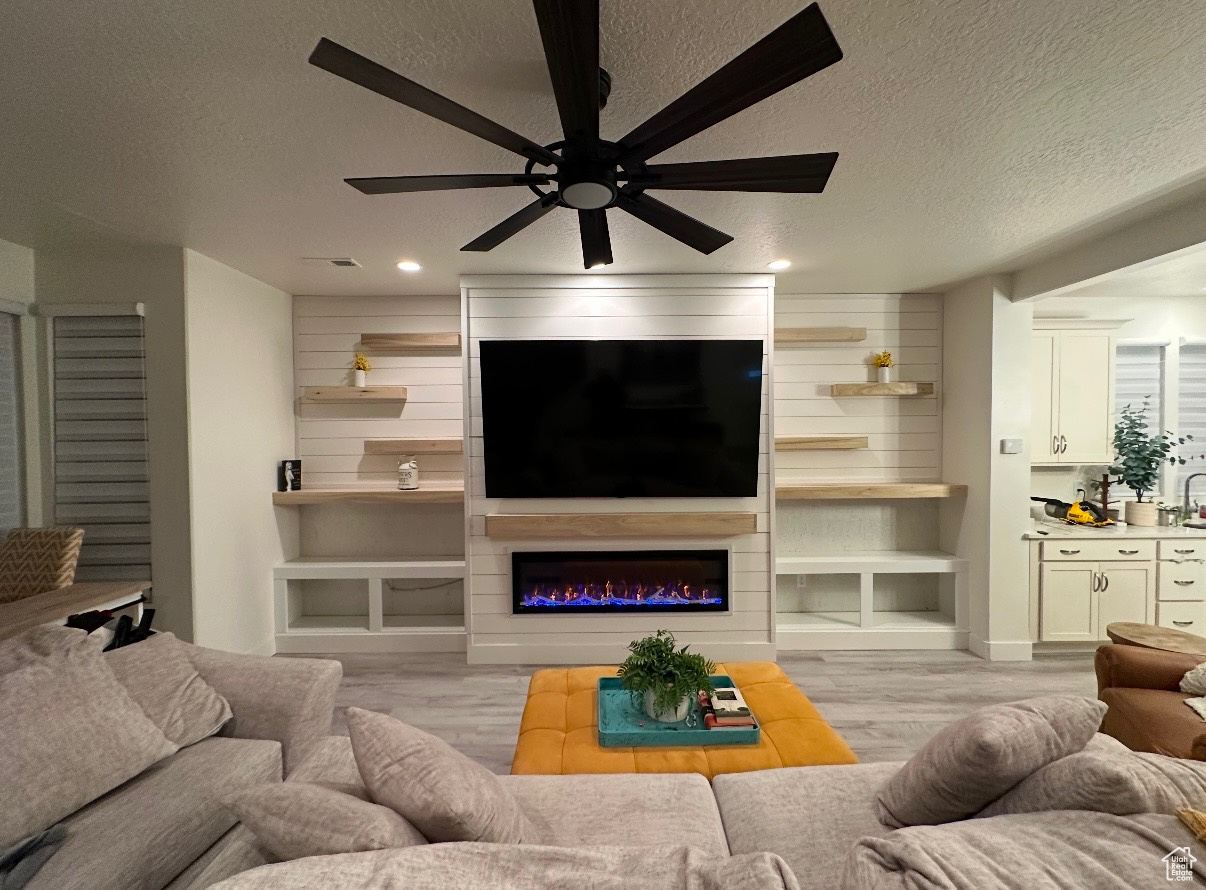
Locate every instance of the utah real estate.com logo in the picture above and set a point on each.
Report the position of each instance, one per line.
(1178, 865)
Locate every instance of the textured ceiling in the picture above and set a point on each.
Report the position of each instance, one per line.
(970, 132)
(1181, 275)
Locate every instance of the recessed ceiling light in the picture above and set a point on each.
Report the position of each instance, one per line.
(778, 264)
(409, 266)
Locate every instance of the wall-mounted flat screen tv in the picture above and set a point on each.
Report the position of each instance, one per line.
(621, 418)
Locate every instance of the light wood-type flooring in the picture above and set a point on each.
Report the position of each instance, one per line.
(884, 704)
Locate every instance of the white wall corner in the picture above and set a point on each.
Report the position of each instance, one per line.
(1001, 650)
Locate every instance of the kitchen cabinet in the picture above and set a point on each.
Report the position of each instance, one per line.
(1072, 397)
(1078, 600)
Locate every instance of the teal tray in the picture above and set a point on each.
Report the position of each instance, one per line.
(620, 723)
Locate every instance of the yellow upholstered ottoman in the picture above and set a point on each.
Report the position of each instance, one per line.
(559, 731)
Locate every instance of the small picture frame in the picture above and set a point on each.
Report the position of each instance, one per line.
(289, 475)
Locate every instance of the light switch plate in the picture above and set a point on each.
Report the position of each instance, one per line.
(1011, 446)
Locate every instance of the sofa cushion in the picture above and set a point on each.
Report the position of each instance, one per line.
(330, 762)
(150, 829)
(293, 820)
(160, 677)
(436, 788)
(972, 762)
(70, 733)
(620, 810)
(1039, 850)
(470, 866)
(1153, 720)
(233, 853)
(35, 643)
(810, 815)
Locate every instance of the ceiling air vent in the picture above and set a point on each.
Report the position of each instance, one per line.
(343, 262)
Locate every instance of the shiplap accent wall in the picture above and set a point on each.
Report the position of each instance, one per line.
(614, 307)
(331, 436)
(904, 434)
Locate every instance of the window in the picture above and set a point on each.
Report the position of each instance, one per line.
(1139, 376)
(100, 443)
(1191, 420)
(12, 455)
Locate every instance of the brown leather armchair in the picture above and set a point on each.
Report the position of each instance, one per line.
(1147, 710)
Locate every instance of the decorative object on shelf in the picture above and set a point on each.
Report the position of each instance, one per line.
(408, 474)
(1139, 455)
(883, 364)
(288, 475)
(360, 368)
(667, 678)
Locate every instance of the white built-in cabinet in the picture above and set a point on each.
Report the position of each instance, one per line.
(1073, 397)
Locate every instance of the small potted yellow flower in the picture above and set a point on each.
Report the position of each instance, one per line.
(360, 368)
(883, 364)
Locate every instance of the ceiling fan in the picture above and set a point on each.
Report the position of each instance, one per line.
(592, 175)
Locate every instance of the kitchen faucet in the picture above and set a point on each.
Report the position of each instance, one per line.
(1188, 480)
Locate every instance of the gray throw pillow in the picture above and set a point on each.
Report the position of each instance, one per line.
(972, 762)
(70, 734)
(439, 790)
(1121, 783)
(293, 820)
(160, 677)
(37, 643)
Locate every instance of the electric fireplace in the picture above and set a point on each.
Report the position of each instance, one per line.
(566, 582)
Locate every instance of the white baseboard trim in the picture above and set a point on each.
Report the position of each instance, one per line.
(553, 654)
(1001, 650)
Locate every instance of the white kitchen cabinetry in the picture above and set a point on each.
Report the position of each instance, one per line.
(1084, 586)
(1072, 397)
(1181, 586)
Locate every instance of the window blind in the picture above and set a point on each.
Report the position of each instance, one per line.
(12, 457)
(100, 443)
(1192, 416)
(1139, 376)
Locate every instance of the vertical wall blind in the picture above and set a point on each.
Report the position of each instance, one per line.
(100, 443)
(1192, 415)
(12, 462)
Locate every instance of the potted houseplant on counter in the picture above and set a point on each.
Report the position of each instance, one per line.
(666, 677)
(1139, 455)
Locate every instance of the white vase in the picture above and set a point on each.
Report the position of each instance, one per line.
(1141, 514)
(884, 375)
(360, 378)
(677, 716)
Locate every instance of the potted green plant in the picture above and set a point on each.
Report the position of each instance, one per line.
(666, 677)
(1139, 455)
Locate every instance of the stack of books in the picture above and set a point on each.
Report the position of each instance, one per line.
(725, 709)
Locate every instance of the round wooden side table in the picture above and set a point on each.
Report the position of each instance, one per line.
(1149, 636)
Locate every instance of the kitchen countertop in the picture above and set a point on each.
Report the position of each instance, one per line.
(1060, 530)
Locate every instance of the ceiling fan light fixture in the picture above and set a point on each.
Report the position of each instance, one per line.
(779, 265)
(409, 266)
(588, 195)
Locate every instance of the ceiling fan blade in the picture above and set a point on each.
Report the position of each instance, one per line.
(596, 242)
(339, 60)
(788, 173)
(569, 30)
(674, 223)
(393, 185)
(514, 223)
(801, 46)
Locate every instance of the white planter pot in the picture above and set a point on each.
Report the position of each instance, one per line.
(1142, 515)
(884, 375)
(678, 716)
(360, 378)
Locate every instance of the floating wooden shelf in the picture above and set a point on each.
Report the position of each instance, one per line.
(802, 336)
(842, 390)
(354, 393)
(843, 491)
(821, 443)
(413, 446)
(428, 494)
(619, 525)
(444, 342)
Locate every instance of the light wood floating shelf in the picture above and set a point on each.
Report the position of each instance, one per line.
(845, 491)
(840, 390)
(445, 342)
(821, 443)
(429, 494)
(531, 526)
(413, 446)
(354, 393)
(801, 336)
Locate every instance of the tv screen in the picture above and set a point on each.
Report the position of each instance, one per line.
(621, 418)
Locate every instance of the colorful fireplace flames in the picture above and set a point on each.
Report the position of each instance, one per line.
(621, 594)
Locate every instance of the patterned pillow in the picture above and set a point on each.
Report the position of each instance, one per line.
(35, 560)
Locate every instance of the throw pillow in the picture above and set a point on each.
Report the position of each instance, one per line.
(70, 734)
(36, 643)
(292, 820)
(1194, 681)
(160, 677)
(440, 791)
(1108, 782)
(972, 762)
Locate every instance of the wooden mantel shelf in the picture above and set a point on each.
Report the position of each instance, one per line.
(843, 390)
(844, 491)
(442, 342)
(354, 393)
(429, 494)
(535, 526)
(804, 336)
